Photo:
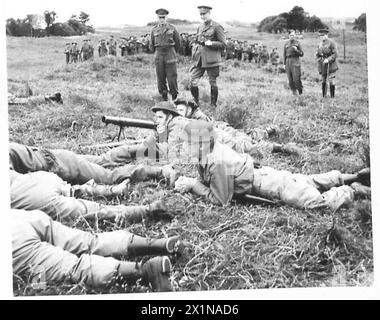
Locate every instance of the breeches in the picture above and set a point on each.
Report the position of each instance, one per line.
(197, 72)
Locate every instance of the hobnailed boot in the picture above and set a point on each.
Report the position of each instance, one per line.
(156, 271)
(195, 93)
(323, 89)
(214, 95)
(332, 91)
(140, 246)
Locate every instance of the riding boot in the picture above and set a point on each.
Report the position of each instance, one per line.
(332, 90)
(214, 95)
(195, 93)
(323, 89)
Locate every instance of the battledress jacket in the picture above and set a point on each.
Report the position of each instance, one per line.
(327, 50)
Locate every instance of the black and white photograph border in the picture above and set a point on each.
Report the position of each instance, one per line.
(335, 288)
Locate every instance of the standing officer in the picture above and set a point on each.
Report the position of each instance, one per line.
(67, 52)
(292, 52)
(165, 41)
(327, 66)
(112, 45)
(102, 48)
(210, 42)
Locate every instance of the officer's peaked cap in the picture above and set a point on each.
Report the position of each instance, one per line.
(166, 106)
(162, 12)
(204, 9)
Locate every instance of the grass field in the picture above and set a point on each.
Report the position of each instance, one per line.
(239, 246)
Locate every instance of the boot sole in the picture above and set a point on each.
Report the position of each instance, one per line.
(171, 244)
(166, 265)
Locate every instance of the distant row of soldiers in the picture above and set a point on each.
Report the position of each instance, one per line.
(256, 52)
(74, 54)
(235, 49)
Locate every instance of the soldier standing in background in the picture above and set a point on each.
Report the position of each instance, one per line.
(91, 49)
(112, 45)
(210, 42)
(102, 48)
(165, 41)
(67, 52)
(264, 55)
(275, 57)
(292, 54)
(230, 48)
(327, 66)
(123, 47)
(85, 50)
(74, 52)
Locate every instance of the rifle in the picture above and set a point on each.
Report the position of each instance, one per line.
(128, 122)
(254, 199)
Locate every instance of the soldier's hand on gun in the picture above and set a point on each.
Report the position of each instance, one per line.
(184, 184)
(208, 43)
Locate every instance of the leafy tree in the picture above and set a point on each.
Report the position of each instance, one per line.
(84, 17)
(50, 17)
(297, 18)
(361, 23)
(314, 23)
(279, 24)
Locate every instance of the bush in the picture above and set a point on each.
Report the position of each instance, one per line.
(61, 29)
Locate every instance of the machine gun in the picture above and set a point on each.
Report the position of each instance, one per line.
(128, 122)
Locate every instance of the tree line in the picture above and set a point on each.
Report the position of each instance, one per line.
(32, 25)
(299, 19)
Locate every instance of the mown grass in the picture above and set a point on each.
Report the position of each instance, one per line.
(240, 246)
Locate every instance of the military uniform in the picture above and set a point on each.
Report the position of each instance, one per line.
(123, 47)
(165, 42)
(112, 45)
(207, 57)
(292, 54)
(275, 57)
(52, 253)
(86, 50)
(327, 50)
(45, 191)
(230, 48)
(74, 52)
(78, 169)
(102, 48)
(225, 173)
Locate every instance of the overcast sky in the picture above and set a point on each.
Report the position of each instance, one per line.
(139, 12)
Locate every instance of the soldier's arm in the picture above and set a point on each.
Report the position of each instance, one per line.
(299, 49)
(220, 43)
(151, 46)
(285, 53)
(334, 52)
(177, 40)
(221, 188)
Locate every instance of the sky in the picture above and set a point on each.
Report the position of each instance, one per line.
(140, 12)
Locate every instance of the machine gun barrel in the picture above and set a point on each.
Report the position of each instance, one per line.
(129, 122)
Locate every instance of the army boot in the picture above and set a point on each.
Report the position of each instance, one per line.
(141, 246)
(195, 93)
(135, 214)
(332, 90)
(165, 96)
(156, 272)
(323, 89)
(214, 95)
(56, 98)
(364, 176)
